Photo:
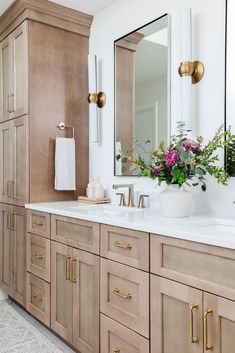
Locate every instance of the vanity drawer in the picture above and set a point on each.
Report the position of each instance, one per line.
(119, 339)
(38, 223)
(125, 295)
(75, 232)
(38, 298)
(38, 256)
(206, 267)
(126, 246)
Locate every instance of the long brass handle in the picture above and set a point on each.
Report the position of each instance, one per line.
(193, 339)
(13, 221)
(9, 188)
(9, 221)
(74, 270)
(37, 297)
(36, 222)
(12, 191)
(12, 102)
(38, 256)
(120, 294)
(9, 103)
(208, 346)
(118, 244)
(68, 268)
(117, 350)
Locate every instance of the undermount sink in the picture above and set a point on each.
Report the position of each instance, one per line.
(218, 225)
(105, 209)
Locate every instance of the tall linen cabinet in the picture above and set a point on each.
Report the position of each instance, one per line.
(43, 81)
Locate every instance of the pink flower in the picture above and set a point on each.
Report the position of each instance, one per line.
(190, 145)
(156, 170)
(172, 157)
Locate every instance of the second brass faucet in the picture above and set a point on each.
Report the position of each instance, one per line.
(130, 187)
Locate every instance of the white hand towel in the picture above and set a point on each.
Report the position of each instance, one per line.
(65, 165)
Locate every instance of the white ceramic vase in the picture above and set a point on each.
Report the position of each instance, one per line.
(175, 202)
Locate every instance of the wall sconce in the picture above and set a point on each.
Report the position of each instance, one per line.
(99, 99)
(190, 71)
(195, 69)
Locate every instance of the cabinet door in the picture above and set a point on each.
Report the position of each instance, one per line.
(176, 312)
(20, 181)
(61, 290)
(6, 162)
(19, 95)
(5, 79)
(6, 249)
(219, 324)
(85, 278)
(19, 246)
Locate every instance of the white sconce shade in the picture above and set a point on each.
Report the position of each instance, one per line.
(93, 110)
(186, 56)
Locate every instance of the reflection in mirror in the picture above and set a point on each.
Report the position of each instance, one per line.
(141, 91)
(230, 84)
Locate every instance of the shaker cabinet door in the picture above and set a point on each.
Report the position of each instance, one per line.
(176, 312)
(6, 86)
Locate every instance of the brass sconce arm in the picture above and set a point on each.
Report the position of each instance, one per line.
(99, 99)
(195, 69)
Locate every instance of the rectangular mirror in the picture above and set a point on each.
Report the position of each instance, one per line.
(142, 99)
(230, 84)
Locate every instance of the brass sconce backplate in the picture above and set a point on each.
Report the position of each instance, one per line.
(195, 69)
(99, 99)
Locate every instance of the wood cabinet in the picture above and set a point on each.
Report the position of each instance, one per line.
(14, 73)
(14, 161)
(75, 296)
(185, 319)
(13, 251)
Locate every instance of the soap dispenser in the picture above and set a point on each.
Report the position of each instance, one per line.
(98, 189)
(90, 190)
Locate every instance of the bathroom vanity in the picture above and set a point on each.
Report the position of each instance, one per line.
(112, 279)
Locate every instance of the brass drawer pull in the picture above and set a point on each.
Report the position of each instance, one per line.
(120, 294)
(208, 346)
(74, 270)
(193, 339)
(117, 350)
(37, 297)
(68, 268)
(38, 257)
(123, 246)
(36, 222)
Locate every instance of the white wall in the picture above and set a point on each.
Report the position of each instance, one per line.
(208, 20)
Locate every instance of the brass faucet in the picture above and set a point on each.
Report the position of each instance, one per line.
(130, 192)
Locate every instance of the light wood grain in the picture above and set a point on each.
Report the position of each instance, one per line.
(86, 302)
(5, 78)
(136, 255)
(39, 223)
(170, 314)
(38, 298)
(114, 335)
(38, 256)
(45, 12)
(132, 312)
(202, 266)
(75, 232)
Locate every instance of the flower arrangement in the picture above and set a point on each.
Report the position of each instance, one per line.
(184, 161)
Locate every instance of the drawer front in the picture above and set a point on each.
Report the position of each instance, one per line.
(38, 223)
(74, 232)
(125, 295)
(202, 266)
(126, 246)
(116, 338)
(38, 298)
(38, 256)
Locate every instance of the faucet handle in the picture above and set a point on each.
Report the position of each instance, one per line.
(141, 203)
(122, 199)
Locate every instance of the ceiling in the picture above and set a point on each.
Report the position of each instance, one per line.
(88, 6)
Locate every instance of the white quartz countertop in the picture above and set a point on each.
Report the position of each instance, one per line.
(203, 229)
